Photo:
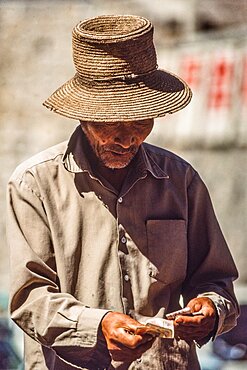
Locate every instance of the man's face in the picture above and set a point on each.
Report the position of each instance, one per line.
(116, 143)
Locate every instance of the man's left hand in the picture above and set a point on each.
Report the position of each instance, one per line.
(198, 326)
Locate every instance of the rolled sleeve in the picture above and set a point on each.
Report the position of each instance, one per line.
(55, 319)
(88, 325)
(89, 348)
(227, 317)
(211, 269)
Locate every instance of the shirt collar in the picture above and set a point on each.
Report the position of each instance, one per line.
(75, 158)
(151, 165)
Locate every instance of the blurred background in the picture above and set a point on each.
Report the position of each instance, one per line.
(204, 42)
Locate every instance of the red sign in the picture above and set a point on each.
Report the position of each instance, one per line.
(220, 90)
(191, 70)
(244, 81)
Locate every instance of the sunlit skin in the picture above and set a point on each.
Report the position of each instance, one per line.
(124, 345)
(115, 144)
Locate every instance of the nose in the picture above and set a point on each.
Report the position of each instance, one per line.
(124, 137)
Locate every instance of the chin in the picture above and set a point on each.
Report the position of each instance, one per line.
(116, 164)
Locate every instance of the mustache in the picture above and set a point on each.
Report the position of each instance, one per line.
(119, 150)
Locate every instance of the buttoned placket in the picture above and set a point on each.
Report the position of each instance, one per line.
(138, 172)
(126, 293)
(123, 253)
(127, 297)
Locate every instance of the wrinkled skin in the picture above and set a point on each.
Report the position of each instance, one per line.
(196, 327)
(119, 331)
(116, 143)
(125, 346)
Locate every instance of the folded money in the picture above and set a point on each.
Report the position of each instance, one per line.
(157, 327)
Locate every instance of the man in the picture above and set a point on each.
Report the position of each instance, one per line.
(107, 230)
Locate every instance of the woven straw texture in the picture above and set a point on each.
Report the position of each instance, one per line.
(117, 78)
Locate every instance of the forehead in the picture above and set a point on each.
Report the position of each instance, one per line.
(102, 124)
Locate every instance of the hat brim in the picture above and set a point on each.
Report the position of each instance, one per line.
(143, 97)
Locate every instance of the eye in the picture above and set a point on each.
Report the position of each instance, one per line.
(141, 124)
(97, 124)
(105, 124)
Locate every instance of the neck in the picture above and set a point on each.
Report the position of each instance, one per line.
(114, 176)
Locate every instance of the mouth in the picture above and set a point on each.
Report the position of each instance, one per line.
(115, 158)
(122, 153)
(117, 149)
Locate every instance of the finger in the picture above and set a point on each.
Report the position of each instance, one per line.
(205, 330)
(124, 356)
(196, 307)
(192, 332)
(205, 325)
(203, 304)
(145, 346)
(119, 352)
(191, 336)
(129, 339)
(197, 319)
(142, 330)
(189, 320)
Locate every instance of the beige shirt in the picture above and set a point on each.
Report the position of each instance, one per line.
(79, 249)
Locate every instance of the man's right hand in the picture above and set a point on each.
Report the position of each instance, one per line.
(122, 342)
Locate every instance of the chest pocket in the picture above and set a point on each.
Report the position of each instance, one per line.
(167, 249)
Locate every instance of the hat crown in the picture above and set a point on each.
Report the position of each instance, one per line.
(108, 47)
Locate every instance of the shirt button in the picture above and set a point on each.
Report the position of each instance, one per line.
(126, 277)
(120, 200)
(123, 240)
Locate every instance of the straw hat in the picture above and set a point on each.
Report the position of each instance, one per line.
(117, 78)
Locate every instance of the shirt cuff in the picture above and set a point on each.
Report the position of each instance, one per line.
(88, 324)
(88, 346)
(220, 310)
